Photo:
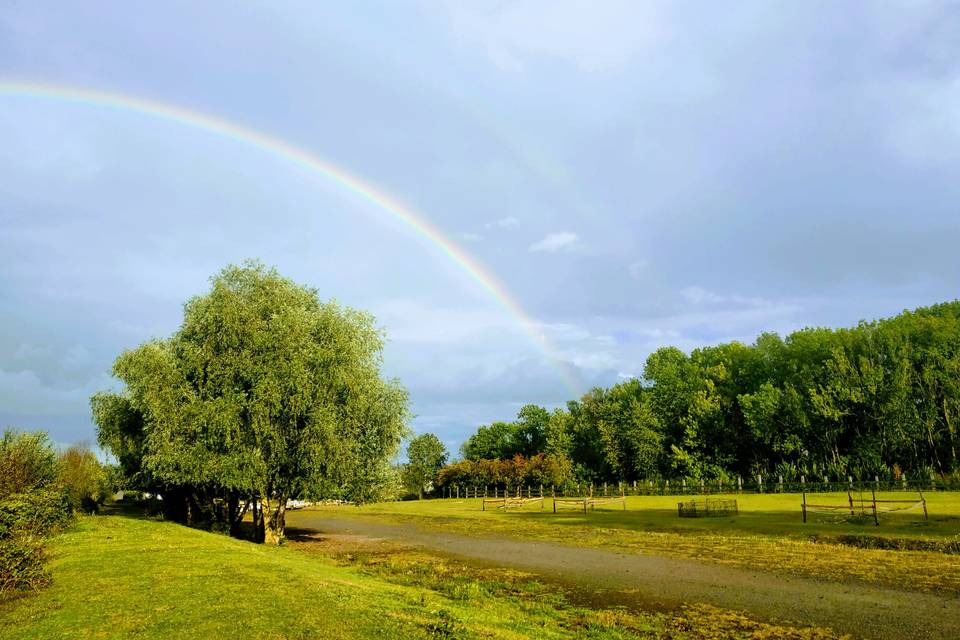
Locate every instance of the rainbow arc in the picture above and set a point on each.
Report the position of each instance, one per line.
(311, 162)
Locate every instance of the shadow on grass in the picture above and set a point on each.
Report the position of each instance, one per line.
(150, 510)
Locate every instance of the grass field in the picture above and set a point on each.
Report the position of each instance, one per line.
(120, 577)
(768, 534)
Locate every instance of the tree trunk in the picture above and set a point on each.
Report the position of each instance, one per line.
(274, 519)
(257, 519)
(235, 512)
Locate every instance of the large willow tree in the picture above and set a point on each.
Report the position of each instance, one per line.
(266, 392)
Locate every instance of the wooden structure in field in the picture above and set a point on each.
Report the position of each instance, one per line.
(709, 508)
(863, 506)
(509, 503)
(589, 502)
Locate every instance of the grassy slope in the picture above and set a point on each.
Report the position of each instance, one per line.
(768, 534)
(118, 577)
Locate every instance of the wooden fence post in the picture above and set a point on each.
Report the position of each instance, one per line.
(804, 506)
(876, 520)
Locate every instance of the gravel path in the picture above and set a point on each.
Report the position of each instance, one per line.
(660, 582)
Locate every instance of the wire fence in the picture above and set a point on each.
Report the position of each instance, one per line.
(683, 486)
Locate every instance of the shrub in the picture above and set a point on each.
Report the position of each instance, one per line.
(22, 564)
(37, 513)
(84, 478)
(32, 505)
(27, 462)
(24, 519)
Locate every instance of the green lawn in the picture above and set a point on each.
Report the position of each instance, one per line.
(766, 514)
(119, 577)
(767, 534)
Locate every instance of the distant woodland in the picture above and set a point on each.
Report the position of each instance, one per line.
(879, 399)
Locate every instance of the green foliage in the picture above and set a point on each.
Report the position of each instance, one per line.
(264, 391)
(527, 436)
(531, 472)
(494, 441)
(426, 455)
(35, 514)
(27, 462)
(83, 478)
(22, 565)
(32, 505)
(819, 403)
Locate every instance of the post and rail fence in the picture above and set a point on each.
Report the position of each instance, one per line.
(687, 487)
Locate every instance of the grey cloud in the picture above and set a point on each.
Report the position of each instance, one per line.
(734, 168)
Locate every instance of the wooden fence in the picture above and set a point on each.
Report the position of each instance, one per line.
(861, 506)
(509, 503)
(589, 503)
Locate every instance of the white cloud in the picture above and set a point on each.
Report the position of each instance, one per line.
(556, 242)
(503, 223)
(466, 236)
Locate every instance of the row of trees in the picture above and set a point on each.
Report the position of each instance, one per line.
(882, 398)
(265, 393)
(518, 471)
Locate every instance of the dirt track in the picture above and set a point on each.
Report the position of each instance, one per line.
(660, 582)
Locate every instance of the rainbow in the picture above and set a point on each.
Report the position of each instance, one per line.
(309, 161)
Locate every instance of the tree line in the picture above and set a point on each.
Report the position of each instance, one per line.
(879, 399)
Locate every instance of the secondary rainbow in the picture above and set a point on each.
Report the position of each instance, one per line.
(310, 161)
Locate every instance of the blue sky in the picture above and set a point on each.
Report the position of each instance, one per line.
(636, 174)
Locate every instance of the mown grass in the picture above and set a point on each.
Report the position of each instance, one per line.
(118, 577)
(768, 534)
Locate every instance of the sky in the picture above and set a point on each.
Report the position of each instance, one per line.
(633, 174)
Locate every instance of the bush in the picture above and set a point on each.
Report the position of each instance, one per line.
(22, 562)
(32, 505)
(84, 478)
(27, 462)
(38, 513)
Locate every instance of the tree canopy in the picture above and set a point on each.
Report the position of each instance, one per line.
(264, 391)
(426, 455)
(881, 398)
